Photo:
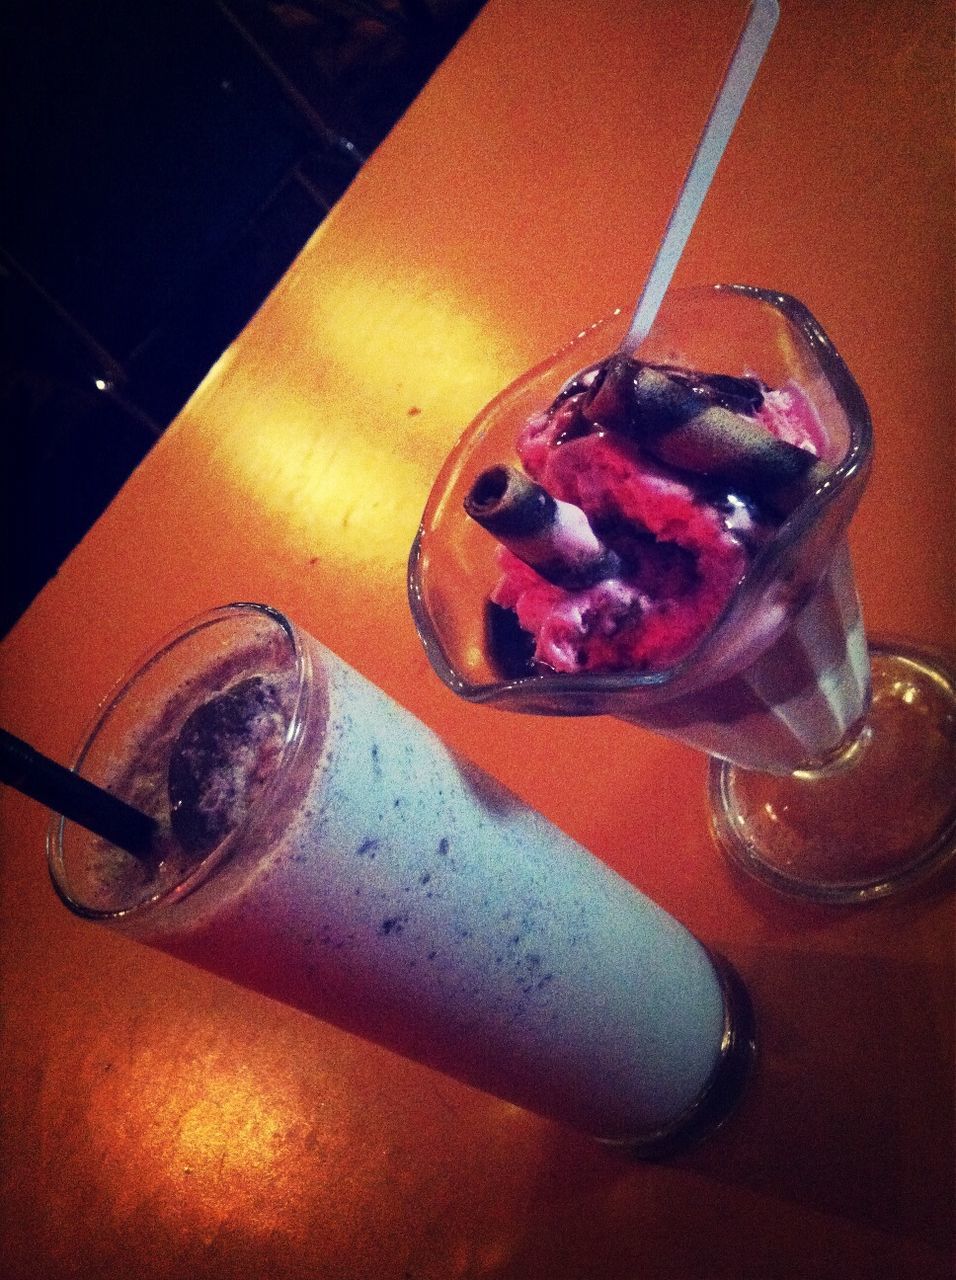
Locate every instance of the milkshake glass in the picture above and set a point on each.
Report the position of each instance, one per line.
(383, 884)
(778, 691)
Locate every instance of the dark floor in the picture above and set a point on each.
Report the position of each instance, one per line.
(161, 164)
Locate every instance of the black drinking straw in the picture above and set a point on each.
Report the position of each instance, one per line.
(66, 792)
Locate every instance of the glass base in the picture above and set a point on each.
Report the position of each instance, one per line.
(874, 820)
(724, 1089)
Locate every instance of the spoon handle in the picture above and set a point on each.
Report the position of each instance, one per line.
(740, 74)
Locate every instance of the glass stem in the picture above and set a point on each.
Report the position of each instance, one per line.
(847, 754)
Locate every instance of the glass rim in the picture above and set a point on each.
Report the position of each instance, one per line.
(855, 460)
(224, 850)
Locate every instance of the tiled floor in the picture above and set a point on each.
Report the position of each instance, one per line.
(163, 163)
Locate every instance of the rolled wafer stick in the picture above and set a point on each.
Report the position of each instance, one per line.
(687, 427)
(788, 497)
(734, 448)
(552, 536)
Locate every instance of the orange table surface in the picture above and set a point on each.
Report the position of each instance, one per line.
(159, 1122)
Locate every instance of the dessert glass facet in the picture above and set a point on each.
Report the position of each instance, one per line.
(781, 685)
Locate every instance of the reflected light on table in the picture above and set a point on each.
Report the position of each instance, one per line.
(427, 341)
(215, 1131)
(336, 490)
(231, 1152)
(338, 425)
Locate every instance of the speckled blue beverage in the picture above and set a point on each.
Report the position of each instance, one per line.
(384, 885)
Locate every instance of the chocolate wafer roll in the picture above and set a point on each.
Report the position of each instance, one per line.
(733, 448)
(552, 536)
(696, 426)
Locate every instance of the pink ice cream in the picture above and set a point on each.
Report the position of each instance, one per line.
(682, 477)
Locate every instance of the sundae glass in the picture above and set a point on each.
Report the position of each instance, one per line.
(832, 761)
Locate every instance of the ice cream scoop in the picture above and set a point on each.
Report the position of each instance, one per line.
(650, 488)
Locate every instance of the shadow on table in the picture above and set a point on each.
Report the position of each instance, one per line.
(853, 1084)
(849, 1117)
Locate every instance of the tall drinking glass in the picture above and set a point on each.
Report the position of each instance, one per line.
(818, 743)
(321, 846)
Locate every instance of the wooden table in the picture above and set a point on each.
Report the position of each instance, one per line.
(159, 1122)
